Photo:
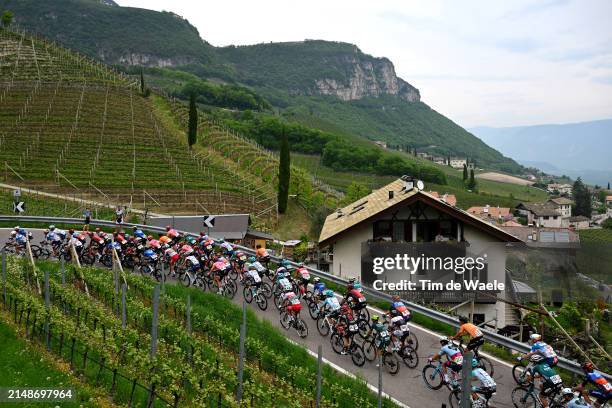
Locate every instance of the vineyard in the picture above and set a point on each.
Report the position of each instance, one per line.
(190, 367)
(72, 126)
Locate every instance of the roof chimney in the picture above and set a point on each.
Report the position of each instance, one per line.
(390, 194)
(408, 182)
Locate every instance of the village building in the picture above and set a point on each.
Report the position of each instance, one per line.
(563, 189)
(541, 214)
(579, 222)
(563, 205)
(491, 214)
(400, 215)
(458, 163)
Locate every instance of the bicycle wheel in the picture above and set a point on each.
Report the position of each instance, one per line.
(369, 350)
(229, 289)
(413, 341)
(363, 328)
(247, 293)
(409, 356)
(322, 326)
(185, 279)
(358, 355)
(266, 289)
(336, 342)
(313, 310)
(262, 302)
(301, 328)
(161, 277)
(36, 250)
(432, 377)
(454, 399)
(520, 374)
(88, 259)
(285, 320)
(522, 398)
(233, 274)
(391, 363)
(486, 365)
(106, 260)
(364, 314)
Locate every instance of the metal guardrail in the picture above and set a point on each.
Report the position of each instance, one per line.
(492, 337)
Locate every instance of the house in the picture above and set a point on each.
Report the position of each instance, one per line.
(563, 189)
(447, 198)
(424, 155)
(458, 163)
(540, 214)
(609, 202)
(380, 143)
(579, 222)
(399, 218)
(545, 237)
(563, 205)
(491, 214)
(439, 160)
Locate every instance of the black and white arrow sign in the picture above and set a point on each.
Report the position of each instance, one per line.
(19, 207)
(209, 221)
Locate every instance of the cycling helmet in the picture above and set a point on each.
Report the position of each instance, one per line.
(566, 392)
(375, 318)
(134, 228)
(252, 259)
(301, 264)
(46, 231)
(329, 293)
(316, 279)
(463, 319)
(474, 363)
(13, 233)
(352, 280)
(536, 358)
(535, 337)
(587, 366)
(285, 263)
(51, 227)
(444, 340)
(17, 228)
(191, 240)
(148, 252)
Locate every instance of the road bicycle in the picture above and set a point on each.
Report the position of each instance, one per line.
(434, 378)
(252, 292)
(482, 400)
(529, 396)
(483, 362)
(378, 344)
(288, 321)
(354, 350)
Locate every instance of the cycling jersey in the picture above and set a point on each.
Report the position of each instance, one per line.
(172, 233)
(578, 402)
(75, 242)
(52, 236)
(253, 275)
(21, 238)
(544, 349)
(552, 380)
(285, 284)
(138, 233)
(485, 379)
(219, 265)
(453, 355)
(598, 381)
(258, 266)
(261, 252)
(331, 303)
(470, 329)
(304, 274)
(193, 260)
(227, 247)
(319, 288)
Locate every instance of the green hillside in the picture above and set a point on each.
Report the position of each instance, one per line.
(113, 34)
(288, 75)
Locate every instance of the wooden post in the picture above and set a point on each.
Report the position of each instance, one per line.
(31, 258)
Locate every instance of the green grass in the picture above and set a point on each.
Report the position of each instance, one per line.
(24, 365)
(53, 207)
(596, 235)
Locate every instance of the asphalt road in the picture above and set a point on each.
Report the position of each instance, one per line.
(407, 386)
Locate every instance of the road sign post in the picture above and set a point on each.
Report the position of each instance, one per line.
(319, 372)
(19, 207)
(466, 380)
(209, 221)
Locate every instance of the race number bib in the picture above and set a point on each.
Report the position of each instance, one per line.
(555, 379)
(404, 327)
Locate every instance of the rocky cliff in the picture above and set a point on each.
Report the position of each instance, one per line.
(373, 77)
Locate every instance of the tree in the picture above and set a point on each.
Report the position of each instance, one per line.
(7, 18)
(472, 182)
(607, 223)
(142, 84)
(448, 160)
(465, 172)
(608, 185)
(582, 199)
(284, 172)
(192, 132)
(354, 192)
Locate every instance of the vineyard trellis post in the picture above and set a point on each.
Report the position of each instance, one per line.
(123, 311)
(4, 278)
(154, 321)
(47, 311)
(319, 369)
(63, 270)
(380, 380)
(188, 323)
(241, 355)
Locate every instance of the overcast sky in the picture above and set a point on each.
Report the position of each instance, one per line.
(481, 63)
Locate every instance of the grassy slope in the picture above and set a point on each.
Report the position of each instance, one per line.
(25, 365)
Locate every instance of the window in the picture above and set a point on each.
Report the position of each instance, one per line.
(546, 217)
(382, 229)
(398, 231)
(478, 318)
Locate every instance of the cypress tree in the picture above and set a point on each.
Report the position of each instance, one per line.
(582, 199)
(465, 172)
(192, 132)
(284, 172)
(142, 84)
(608, 185)
(472, 182)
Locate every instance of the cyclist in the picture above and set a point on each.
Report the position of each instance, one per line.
(227, 249)
(454, 358)
(571, 401)
(291, 303)
(302, 277)
(398, 308)
(342, 326)
(172, 233)
(476, 336)
(551, 381)
(399, 331)
(382, 338)
(76, 243)
(261, 252)
(331, 305)
(603, 391)
(486, 384)
(318, 289)
(172, 256)
(54, 238)
(219, 270)
(251, 277)
(540, 347)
